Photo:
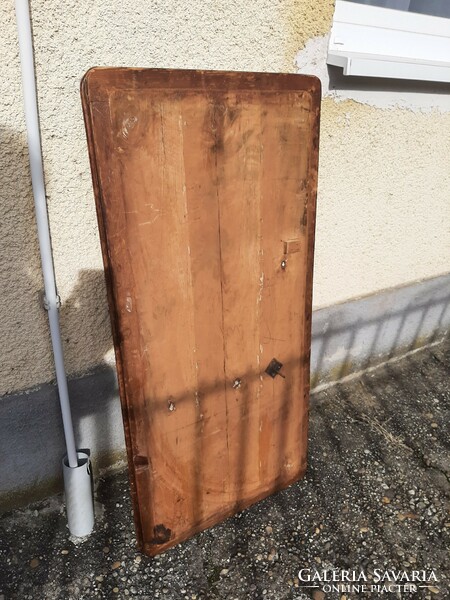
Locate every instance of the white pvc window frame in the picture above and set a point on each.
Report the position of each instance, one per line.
(372, 41)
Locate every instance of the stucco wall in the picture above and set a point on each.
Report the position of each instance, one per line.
(383, 208)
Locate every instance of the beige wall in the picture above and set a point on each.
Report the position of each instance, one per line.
(383, 208)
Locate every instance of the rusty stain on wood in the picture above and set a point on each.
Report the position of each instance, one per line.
(205, 183)
(161, 534)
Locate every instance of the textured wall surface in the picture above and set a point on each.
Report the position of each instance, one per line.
(384, 174)
(384, 206)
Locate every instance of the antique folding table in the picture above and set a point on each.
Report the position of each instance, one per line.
(205, 186)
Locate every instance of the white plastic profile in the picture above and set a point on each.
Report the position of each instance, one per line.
(373, 41)
(78, 493)
(76, 465)
(40, 203)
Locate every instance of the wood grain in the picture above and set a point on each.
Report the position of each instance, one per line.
(205, 186)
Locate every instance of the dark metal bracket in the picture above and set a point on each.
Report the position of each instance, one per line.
(273, 368)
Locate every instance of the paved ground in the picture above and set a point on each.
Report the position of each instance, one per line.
(376, 496)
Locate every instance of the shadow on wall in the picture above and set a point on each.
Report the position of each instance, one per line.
(23, 329)
(363, 333)
(31, 440)
(85, 326)
(86, 329)
(85, 322)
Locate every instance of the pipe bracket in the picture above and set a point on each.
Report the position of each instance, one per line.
(46, 303)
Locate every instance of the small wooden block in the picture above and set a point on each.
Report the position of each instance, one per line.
(292, 246)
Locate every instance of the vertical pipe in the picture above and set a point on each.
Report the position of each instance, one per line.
(37, 179)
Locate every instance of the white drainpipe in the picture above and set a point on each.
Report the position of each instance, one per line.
(76, 465)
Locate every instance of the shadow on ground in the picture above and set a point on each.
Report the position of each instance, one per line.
(376, 496)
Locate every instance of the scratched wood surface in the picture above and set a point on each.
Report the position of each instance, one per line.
(205, 186)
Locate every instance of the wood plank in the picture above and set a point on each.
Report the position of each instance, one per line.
(238, 139)
(284, 417)
(201, 180)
